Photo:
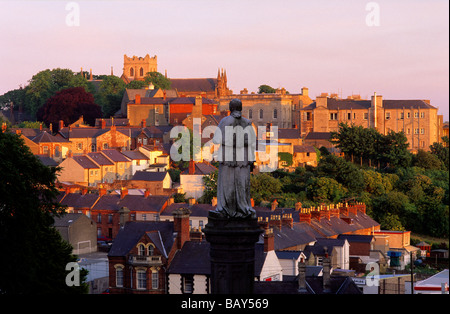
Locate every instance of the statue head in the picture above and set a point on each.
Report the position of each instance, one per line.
(235, 105)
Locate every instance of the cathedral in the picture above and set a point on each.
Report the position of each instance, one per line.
(136, 68)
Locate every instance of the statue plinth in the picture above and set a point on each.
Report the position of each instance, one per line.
(232, 253)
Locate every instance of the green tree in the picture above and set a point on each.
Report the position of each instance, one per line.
(136, 84)
(110, 94)
(441, 151)
(266, 89)
(210, 184)
(35, 255)
(323, 189)
(263, 186)
(158, 80)
(426, 160)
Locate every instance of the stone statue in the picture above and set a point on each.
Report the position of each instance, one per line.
(236, 138)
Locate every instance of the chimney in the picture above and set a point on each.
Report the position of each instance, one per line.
(61, 124)
(90, 75)
(316, 214)
(84, 191)
(143, 123)
(123, 193)
(269, 243)
(18, 132)
(103, 123)
(196, 235)
(124, 216)
(191, 201)
(191, 167)
(353, 210)
(302, 276)
(275, 221)
(298, 206)
(305, 215)
(304, 91)
(40, 126)
(197, 110)
(170, 201)
(252, 202)
(287, 220)
(326, 271)
(361, 207)
(101, 191)
(263, 222)
(181, 225)
(67, 190)
(146, 193)
(214, 201)
(343, 210)
(334, 211)
(274, 205)
(51, 128)
(137, 99)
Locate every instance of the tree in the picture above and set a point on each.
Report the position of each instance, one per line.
(210, 183)
(158, 80)
(68, 105)
(34, 254)
(263, 186)
(441, 152)
(110, 95)
(323, 189)
(427, 160)
(136, 84)
(266, 89)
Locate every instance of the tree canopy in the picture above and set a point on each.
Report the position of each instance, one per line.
(34, 256)
(68, 105)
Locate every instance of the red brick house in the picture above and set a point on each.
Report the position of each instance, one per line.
(142, 251)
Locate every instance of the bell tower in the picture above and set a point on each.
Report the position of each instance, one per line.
(136, 68)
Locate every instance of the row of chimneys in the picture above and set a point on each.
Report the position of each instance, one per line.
(276, 221)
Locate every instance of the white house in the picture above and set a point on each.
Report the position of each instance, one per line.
(139, 161)
(191, 180)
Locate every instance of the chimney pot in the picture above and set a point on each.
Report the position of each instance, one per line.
(137, 99)
(123, 193)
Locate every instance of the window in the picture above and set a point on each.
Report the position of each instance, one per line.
(131, 72)
(349, 116)
(275, 114)
(141, 72)
(141, 279)
(99, 218)
(188, 284)
(422, 131)
(119, 277)
(388, 115)
(408, 115)
(200, 223)
(151, 250)
(45, 149)
(261, 113)
(354, 115)
(110, 218)
(402, 115)
(416, 114)
(422, 114)
(250, 114)
(333, 116)
(366, 116)
(133, 217)
(144, 217)
(99, 232)
(416, 131)
(141, 250)
(105, 145)
(408, 131)
(80, 146)
(155, 280)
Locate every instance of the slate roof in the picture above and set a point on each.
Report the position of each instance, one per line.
(356, 238)
(45, 137)
(197, 210)
(288, 134)
(66, 220)
(318, 136)
(193, 258)
(152, 203)
(135, 155)
(300, 234)
(77, 200)
(85, 162)
(318, 249)
(116, 121)
(132, 232)
(100, 159)
(47, 161)
(149, 176)
(202, 168)
(115, 155)
(194, 84)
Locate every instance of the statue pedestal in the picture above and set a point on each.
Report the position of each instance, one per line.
(232, 253)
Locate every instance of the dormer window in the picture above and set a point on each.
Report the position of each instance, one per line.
(141, 250)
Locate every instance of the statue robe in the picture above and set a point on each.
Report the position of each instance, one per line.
(236, 155)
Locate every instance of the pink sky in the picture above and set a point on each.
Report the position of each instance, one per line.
(323, 45)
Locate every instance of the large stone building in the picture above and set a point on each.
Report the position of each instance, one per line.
(279, 108)
(136, 68)
(418, 119)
